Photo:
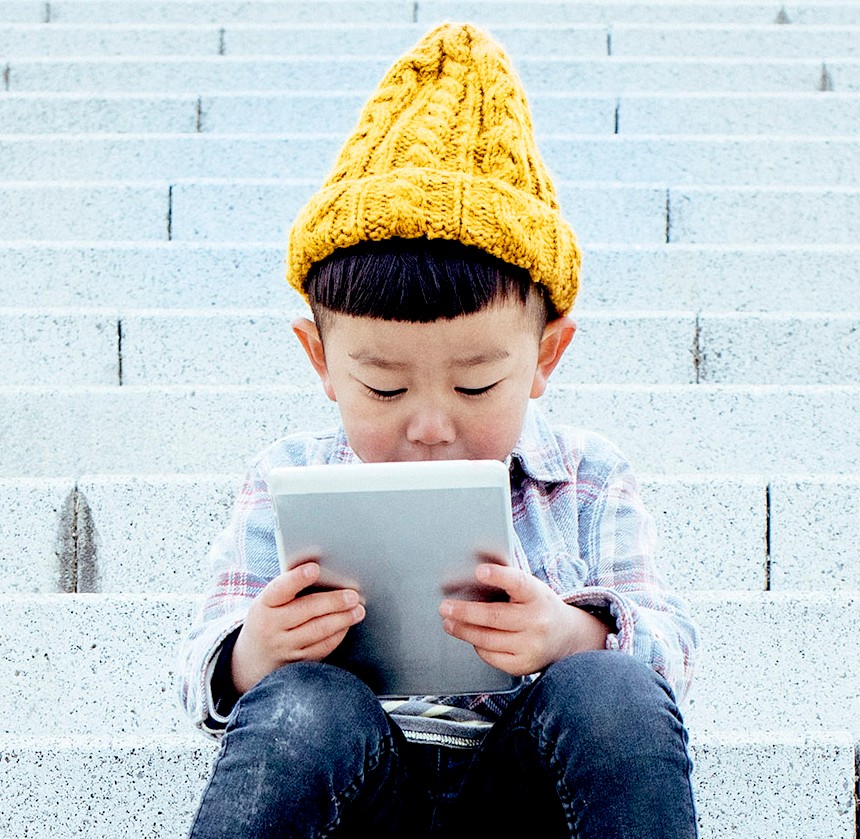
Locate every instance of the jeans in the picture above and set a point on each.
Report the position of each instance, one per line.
(594, 748)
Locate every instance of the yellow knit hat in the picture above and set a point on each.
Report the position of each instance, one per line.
(444, 149)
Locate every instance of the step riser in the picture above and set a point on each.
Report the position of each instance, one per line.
(28, 41)
(735, 114)
(722, 162)
(72, 652)
(198, 429)
(744, 789)
(427, 12)
(166, 74)
(217, 12)
(139, 535)
(84, 212)
(263, 212)
(714, 532)
(65, 348)
(761, 653)
(188, 275)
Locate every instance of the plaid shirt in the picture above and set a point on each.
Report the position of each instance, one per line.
(580, 527)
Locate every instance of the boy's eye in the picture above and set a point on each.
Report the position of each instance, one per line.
(385, 394)
(475, 391)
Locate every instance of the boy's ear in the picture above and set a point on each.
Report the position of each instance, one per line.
(556, 338)
(309, 337)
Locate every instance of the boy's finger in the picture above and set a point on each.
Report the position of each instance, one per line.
(505, 617)
(311, 635)
(284, 588)
(517, 583)
(310, 607)
(490, 640)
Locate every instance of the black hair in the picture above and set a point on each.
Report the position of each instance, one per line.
(417, 280)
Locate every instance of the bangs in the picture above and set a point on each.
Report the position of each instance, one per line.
(416, 280)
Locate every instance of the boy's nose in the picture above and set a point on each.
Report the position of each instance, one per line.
(430, 428)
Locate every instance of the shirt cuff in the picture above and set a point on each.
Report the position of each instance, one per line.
(222, 695)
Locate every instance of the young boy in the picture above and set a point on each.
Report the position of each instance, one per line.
(439, 273)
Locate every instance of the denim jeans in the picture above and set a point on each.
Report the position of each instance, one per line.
(594, 748)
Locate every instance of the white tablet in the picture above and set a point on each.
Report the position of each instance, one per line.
(406, 535)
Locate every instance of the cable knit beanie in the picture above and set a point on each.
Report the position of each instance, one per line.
(444, 149)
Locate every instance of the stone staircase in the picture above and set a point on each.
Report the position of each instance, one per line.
(152, 156)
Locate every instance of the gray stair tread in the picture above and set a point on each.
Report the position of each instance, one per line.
(205, 428)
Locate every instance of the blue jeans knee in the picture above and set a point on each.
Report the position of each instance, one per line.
(303, 747)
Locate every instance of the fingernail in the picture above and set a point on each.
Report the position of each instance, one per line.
(483, 572)
(445, 610)
(350, 597)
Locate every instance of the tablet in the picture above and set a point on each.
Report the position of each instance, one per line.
(406, 536)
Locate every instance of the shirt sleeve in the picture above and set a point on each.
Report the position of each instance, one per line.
(243, 560)
(617, 540)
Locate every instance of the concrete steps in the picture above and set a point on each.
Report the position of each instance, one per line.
(83, 786)
(260, 210)
(30, 40)
(77, 662)
(605, 74)
(488, 12)
(151, 533)
(152, 156)
(763, 160)
(706, 113)
(194, 428)
(179, 275)
(64, 347)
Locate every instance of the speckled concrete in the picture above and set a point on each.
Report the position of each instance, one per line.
(711, 530)
(63, 347)
(762, 652)
(124, 275)
(35, 537)
(153, 534)
(755, 785)
(815, 533)
(779, 349)
(746, 786)
(217, 428)
(91, 664)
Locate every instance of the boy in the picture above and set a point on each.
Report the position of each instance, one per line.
(439, 273)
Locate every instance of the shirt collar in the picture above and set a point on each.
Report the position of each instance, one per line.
(538, 452)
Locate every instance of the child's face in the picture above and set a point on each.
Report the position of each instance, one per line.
(445, 390)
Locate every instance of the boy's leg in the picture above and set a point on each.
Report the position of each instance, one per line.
(596, 748)
(307, 751)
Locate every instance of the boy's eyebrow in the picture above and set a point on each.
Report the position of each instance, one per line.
(496, 354)
(368, 359)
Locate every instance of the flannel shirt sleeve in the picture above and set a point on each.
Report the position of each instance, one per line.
(617, 539)
(243, 559)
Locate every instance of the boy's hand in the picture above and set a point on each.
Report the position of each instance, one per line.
(281, 627)
(528, 633)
